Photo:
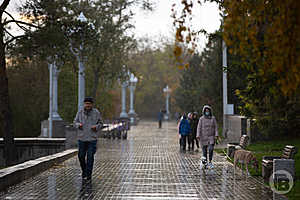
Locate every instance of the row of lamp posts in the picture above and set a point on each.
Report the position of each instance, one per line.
(131, 83)
(53, 73)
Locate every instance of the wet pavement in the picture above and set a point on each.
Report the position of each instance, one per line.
(148, 165)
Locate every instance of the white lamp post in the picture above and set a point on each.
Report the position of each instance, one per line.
(78, 53)
(224, 87)
(124, 85)
(133, 80)
(167, 90)
(55, 74)
(50, 99)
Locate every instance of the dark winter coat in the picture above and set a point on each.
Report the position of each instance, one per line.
(194, 124)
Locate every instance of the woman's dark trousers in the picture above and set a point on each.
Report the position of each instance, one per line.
(210, 151)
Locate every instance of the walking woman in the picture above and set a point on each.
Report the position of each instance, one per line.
(207, 133)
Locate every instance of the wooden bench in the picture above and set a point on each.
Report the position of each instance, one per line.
(231, 147)
(288, 153)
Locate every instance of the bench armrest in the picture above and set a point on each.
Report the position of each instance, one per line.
(271, 157)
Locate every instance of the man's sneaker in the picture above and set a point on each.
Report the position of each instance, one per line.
(210, 165)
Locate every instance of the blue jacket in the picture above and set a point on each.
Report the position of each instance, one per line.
(184, 127)
(160, 116)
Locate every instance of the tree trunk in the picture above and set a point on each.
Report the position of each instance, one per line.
(6, 125)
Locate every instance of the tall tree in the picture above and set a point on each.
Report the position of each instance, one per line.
(264, 36)
(200, 83)
(155, 68)
(105, 40)
(6, 125)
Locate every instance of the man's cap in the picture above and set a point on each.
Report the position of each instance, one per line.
(89, 99)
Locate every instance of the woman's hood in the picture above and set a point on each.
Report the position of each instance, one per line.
(207, 106)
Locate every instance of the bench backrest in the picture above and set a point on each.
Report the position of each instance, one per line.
(289, 152)
(244, 141)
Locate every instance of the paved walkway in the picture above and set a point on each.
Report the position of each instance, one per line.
(148, 165)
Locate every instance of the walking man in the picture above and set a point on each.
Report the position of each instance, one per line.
(207, 133)
(88, 121)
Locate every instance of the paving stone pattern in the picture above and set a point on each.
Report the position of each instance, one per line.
(148, 165)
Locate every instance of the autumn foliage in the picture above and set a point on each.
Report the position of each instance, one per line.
(266, 34)
(263, 40)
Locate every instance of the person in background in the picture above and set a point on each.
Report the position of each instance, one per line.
(184, 131)
(178, 124)
(194, 125)
(190, 137)
(207, 133)
(160, 118)
(88, 121)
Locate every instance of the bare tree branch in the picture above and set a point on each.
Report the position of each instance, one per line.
(12, 39)
(4, 6)
(20, 22)
(8, 33)
(23, 28)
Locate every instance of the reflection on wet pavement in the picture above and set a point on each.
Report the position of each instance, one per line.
(148, 165)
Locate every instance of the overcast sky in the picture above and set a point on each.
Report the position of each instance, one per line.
(159, 22)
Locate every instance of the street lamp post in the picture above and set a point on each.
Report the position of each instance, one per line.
(133, 80)
(55, 73)
(53, 108)
(78, 53)
(50, 100)
(124, 113)
(124, 85)
(167, 90)
(224, 87)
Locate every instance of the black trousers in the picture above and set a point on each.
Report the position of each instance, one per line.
(159, 123)
(193, 141)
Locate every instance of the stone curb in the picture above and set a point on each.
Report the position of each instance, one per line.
(18, 173)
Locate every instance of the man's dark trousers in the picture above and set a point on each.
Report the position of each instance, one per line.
(86, 152)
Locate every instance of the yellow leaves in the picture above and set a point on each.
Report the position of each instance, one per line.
(179, 37)
(191, 51)
(188, 38)
(181, 67)
(266, 35)
(184, 32)
(182, 58)
(177, 51)
(185, 66)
